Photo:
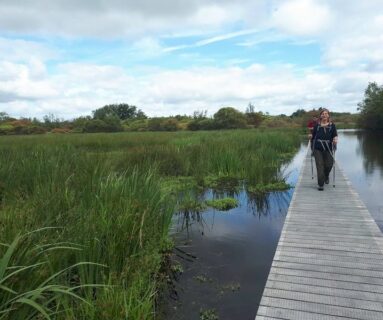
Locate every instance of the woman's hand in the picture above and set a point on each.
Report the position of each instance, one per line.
(335, 140)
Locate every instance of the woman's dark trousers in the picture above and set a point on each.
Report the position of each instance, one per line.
(324, 162)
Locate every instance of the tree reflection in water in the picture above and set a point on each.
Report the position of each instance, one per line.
(371, 146)
(260, 204)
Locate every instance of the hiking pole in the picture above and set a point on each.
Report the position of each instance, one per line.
(333, 173)
(312, 167)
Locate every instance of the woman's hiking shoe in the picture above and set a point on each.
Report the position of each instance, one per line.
(320, 188)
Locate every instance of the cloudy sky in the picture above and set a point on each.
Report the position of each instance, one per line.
(68, 57)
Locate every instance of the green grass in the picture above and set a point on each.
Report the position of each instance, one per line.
(222, 204)
(108, 200)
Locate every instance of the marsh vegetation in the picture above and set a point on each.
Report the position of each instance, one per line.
(100, 206)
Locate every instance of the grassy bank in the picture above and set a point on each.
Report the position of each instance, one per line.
(106, 201)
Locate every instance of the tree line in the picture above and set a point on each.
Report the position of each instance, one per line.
(125, 117)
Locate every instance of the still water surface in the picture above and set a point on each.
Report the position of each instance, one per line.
(226, 256)
(361, 157)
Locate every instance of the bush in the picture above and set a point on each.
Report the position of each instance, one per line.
(229, 118)
(170, 124)
(162, 124)
(110, 124)
(6, 129)
(60, 130)
(136, 125)
(201, 124)
(254, 118)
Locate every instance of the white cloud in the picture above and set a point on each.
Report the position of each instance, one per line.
(348, 33)
(79, 88)
(21, 50)
(24, 81)
(114, 18)
(302, 17)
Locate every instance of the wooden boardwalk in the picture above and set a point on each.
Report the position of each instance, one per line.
(329, 259)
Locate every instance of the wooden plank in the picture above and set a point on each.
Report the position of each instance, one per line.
(327, 291)
(337, 284)
(321, 308)
(331, 236)
(328, 240)
(335, 253)
(373, 248)
(290, 314)
(329, 269)
(327, 258)
(357, 279)
(332, 300)
(334, 262)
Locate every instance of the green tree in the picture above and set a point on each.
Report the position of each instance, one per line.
(4, 116)
(229, 118)
(371, 108)
(298, 113)
(51, 121)
(123, 111)
(250, 108)
(253, 118)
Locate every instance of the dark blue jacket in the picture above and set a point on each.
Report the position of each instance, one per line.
(323, 137)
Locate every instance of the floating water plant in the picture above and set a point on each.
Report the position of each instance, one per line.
(269, 187)
(209, 314)
(222, 204)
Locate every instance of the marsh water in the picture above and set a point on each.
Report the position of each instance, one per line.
(361, 157)
(226, 256)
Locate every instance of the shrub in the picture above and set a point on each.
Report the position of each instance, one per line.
(163, 124)
(60, 130)
(229, 118)
(110, 124)
(201, 124)
(254, 118)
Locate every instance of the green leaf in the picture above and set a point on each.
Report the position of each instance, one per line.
(34, 305)
(4, 262)
(4, 288)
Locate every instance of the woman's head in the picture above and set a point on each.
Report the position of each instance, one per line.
(324, 114)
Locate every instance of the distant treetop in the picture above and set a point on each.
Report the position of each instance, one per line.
(123, 111)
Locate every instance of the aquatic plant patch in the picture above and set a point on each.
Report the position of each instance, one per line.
(222, 204)
(269, 187)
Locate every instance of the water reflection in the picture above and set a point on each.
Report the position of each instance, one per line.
(232, 249)
(360, 154)
(371, 146)
(260, 204)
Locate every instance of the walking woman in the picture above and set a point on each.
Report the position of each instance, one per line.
(323, 141)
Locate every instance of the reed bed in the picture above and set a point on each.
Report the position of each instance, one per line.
(86, 217)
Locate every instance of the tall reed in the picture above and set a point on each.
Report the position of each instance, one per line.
(104, 195)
